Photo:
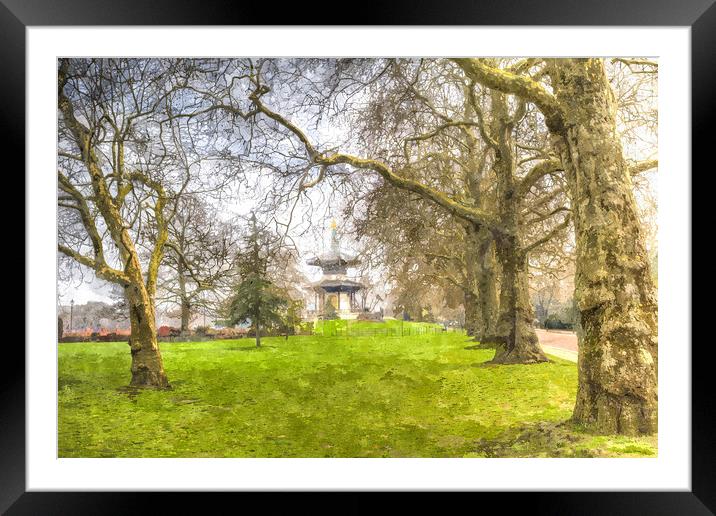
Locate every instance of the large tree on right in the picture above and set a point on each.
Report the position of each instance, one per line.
(614, 289)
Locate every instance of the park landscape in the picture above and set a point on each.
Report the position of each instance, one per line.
(374, 257)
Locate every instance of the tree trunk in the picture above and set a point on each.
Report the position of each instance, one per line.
(472, 313)
(486, 285)
(516, 339)
(481, 298)
(147, 367)
(614, 291)
(185, 316)
(185, 306)
(258, 332)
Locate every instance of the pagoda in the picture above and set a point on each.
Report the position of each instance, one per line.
(334, 286)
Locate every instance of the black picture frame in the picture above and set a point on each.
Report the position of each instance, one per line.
(16, 15)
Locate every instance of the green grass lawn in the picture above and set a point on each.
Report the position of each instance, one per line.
(411, 396)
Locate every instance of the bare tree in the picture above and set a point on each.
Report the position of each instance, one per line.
(517, 342)
(614, 289)
(200, 260)
(131, 143)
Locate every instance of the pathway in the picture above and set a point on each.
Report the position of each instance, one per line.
(560, 343)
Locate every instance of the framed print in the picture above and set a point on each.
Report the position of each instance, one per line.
(422, 255)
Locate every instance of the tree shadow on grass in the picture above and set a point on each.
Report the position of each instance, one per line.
(67, 382)
(543, 439)
(560, 439)
(480, 345)
(132, 391)
(249, 348)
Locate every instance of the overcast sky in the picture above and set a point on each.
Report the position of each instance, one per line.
(310, 231)
(309, 239)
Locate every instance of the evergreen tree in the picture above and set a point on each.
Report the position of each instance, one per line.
(256, 300)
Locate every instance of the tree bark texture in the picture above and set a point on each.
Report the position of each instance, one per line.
(486, 284)
(614, 290)
(185, 305)
(472, 313)
(147, 367)
(481, 295)
(515, 337)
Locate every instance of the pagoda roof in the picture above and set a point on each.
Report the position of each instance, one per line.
(336, 283)
(332, 258)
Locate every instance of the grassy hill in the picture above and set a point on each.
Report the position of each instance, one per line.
(421, 395)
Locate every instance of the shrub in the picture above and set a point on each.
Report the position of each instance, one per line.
(201, 330)
(554, 322)
(305, 328)
(369, 316)
(74, 338)
(168, 331)
(231, 333)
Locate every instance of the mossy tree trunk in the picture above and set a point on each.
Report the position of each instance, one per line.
(147, 367)
(184, 302)
(486, 285)
(614, 291)
(185, 316)
(472, 312)
(481, 291)
(515, 339)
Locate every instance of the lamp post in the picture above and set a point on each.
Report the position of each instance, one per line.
(72, 305)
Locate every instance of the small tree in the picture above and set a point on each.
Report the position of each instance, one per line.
(256, 300)
(199, 263)
(329, 311)
(292, 317)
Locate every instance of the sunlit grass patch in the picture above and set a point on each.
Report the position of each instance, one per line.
(312, 396)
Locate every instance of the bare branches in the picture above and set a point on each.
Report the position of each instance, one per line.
(456, 208)
(535, 174)
(550, 235)
(508, 82)
(425, 149)
(487, 138)
(638, 65)
(102, 270)
(643, 166)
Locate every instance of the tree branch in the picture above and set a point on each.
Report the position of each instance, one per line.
(101, 269)
(535, 174)
(643, 166)
(555, 230)
(507, 82)
(457, 209)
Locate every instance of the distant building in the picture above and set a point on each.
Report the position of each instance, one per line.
(334, 286)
